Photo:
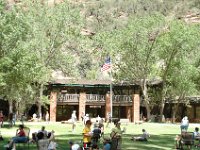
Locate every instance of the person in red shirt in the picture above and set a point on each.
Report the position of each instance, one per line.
(1, 118)
(20, 137)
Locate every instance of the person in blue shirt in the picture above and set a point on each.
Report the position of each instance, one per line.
(107, 144)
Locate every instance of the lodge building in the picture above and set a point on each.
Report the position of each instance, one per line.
(93, 97)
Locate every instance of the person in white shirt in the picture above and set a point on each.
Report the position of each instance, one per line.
(43, 131)
(74, 146)
(196, 133)
(86, 118)
(184, 124)
(46, 143)
(143, 137)
(74, 119)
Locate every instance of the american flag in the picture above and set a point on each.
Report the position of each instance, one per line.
(107, 65)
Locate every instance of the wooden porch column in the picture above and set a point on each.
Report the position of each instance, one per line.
(53, 105)
(136, 107)
(108, 106)
(82, 103)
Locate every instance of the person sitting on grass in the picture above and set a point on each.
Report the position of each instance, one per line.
(20, 137)
(142, 137)
(74, 146)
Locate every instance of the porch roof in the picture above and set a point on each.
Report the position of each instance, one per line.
(85, 82)
(81, 82)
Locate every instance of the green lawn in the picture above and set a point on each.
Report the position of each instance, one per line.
(162, 135)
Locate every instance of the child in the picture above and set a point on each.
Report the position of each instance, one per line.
(87, 134)
(143, 137)
(196, 133)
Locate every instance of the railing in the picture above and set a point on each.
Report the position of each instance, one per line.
(95, 98)
(68, 98)
(122, 98)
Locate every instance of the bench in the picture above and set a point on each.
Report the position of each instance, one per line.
(126, 121)
(139, 122)
(67, 122)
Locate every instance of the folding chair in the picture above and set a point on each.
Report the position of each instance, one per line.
(27, 132)
(187, 139)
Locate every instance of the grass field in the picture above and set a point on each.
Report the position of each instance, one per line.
(162, 135)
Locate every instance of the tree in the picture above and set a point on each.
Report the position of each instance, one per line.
(177, 47)
(16, 61)
(52, 28)
(33, 43)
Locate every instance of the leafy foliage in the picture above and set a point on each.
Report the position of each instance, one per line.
(145, 39)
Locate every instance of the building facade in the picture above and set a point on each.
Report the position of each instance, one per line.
(93, 97)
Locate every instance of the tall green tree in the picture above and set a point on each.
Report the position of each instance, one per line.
(52, 28)
(176, 48)
(133, 52)
(16, 61)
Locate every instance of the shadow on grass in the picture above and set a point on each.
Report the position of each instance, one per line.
(155, 142)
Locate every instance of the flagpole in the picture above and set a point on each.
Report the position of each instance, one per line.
(111, 91)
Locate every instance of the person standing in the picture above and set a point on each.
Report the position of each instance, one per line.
(22, 118)
(1, 118)
(47, 117)
(116, 135)
(74, 119)
(109, 119)
(87, 135)
(82, 117)
(184, 124)
(14, 118)
(86, 118)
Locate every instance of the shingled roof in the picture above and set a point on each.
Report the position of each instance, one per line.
(81, 82)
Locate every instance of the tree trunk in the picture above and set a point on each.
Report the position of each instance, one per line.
(40, 102)
(148, 110)
(146, 99)
(175, 108)
(161, 111)
(10, 102)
